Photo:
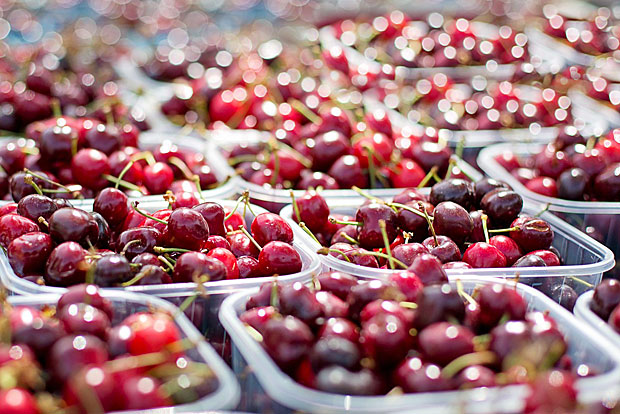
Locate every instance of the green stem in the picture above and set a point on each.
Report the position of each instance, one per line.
(386, 241)
(134, 205)
(382, 255)
(485, 229)
(300, 107)
(345, 223)
(162, 250)
(350, 239)
(165, 261)
(467, 360)
(326, 250)
(295, 206)
(308, 231)
(247, 233)
(122, 183)
(429, 222)
(427, 177)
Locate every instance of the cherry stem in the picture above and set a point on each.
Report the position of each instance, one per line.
(239, 200)
(485, 228)
(295, 206)
(345, 223)
(274, 297)
(451, 165)
(29, 180)
(371, 167)
(196, 181)
(122, 183)
(300, 107)
(242, 158)
(135, 279)
(134, 205)
(181, 165)
(386, 241)
(583, 282)
(464, 361)
(123, 172)
(544, 210)
(165, 261)
(460, 148)
(128, 245)
(382, 255)
(461, 291)
(509, 229)
(411, 209)
(161, 250)
(430, 223)
(254, 333)
(252, 239)
(276, 165)
(366, 194)
(428, 177)
(408, 305)
(349, 239)
(56, 110)
(43, 221)
(327, 250)
(76, 194)
(298, 155)
(308, 231)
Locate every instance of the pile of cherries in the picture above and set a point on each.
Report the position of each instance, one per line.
(49, 242)
(460, 225)
(595, 36)
(606, 302)
(571, 167)
(395, 39)
(602, 89)
(80, 355)
(77, 157)
(440, 102)
(352, 337)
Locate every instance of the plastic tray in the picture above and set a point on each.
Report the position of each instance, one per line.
(268, 389)
(473, 141)
(203, 311)
(603, 216)
(582, 311)
(587, 259)
(226, 396)
(556, 49)
(491, 70)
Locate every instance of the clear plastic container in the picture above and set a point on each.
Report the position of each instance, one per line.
(595, 112)
(268, 389)
(582, 311)
(601, 219)
(554, 49)
(203, 310)
(226, 396)
(473, 141)
(586, 259)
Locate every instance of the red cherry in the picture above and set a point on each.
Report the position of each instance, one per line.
(158, 177)
(88, 166)
(279, 258)
(152, 333)
(268, 227)
(508, 247)
(484, 255)
(543, 185)
(12, 226)
(407, 173)
(17, 401)
(228, 259)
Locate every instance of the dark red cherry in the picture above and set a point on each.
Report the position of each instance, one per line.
(71, 224)
(12, 226)
(193, 266)
(146, 259)
(158, 177)
(111, 270)
(348, 172)
(606, 184)
(17, 401)
(71, 353)
(341, 328)
(428, 268)
(214, 214)
(529, 260)
(34, 206)
(508, 247)
(268, 227)
(100, 384)
(532, 234)
(486, 185)
(336, 283)
(287, 340)
(28, 253)
(58, 142)
(442, 342)
(572, 184)
(228, 259)
(334, 350)
(452, 220)
(279, 258)
(605, 298)
(67, 265)
(84, 319)
(438, 303)
(326, 148)
(443, 248)
(509, 338)
(339, 380)
(413, 222)
(386, 339)
(313, 210)
(146, 238)
(498, 301)
(188, 229)
(103, 138)
(152, 275)
(300, 301)
(455, 190)
(88, 294)
(88, 167)
(552, 391)
(143, 393)
(112, 204)
(39, 335)
(241, 245)
(484, 255)
(370, 234)
(248, 267)
(316, 180)
(407, 252)
(475, 376)
(502, 205)
(19, 188)
(543, 185)
(413, 375)
(257, 318)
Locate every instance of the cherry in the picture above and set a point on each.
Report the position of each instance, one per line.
(215, 242)
(337, 283)
(100, 385)
(17, 401)
(386, 339)
(443, 248)
(158, 177)
(363, 293)
(443, 342)
(58, 142)
(550, 258)
(348, 172)
(279, 258)
(475, 376)
(334, 351)
(214, 214)
(112, 269)
(287, 340)
(145, 240)
(532, 234)
(408, 283)
(336, 58)
(502, 205)
(12, 226)
(34, 206)
(407, 252)
(188, 229)
(552, 163)
(316, 180)
(152, 332)
(193, 266)
(28, 253)
(142, 393)
(484, 255)
(269, 227)
(313, 210)
(438, 303)
(407, 173)
(508, 247)
(112, 204)
(591, 161)
(428, 268)
(241, 245)
(360, 257)
(119, 160)
(21, 316)
(572, 183)
(88, 167)
(248, 267)
(67, 265)
(614, 319)
(552, 391)
(72, 224)
(497, 301)
(228, 259)
(408, 195)
(73, 352)
(19, 188)
(298, 300)
(84, 319)
(455, 190)
(152, 275)
(289, 166)
(8, 208)
(339, 380)
(543, 185)
(606, 184)
(103, 138)
(530, 260)
(452, 220)
(430, 154)
(258, 317)
(486, 185)
(412, 222)
(605, 298)
(146, 259)
(415, 376)
(370, 215)
(88, 294)
(344, 234)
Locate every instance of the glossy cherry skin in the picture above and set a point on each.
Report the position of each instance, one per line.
(415, 376)
(370, 235)
(12, 226)
(334, 351)
(28, 253)
(475, 376)
(413, 222)
(407, 252)
(241, 245)
(142, 393)
(486, 185)
(71, 353)
(299, 300)
(279, 258)
(497, 300)
(152, 332)
(111, 270)
(529, 260)
(543, 185)
(484, 255)
(228, 259)
(337, 283)
(34, 206)
(56, 143)
(509, 337)
(348, 172)
(268, 227)
(502, 205)
(112, 204)
(257, 318)
(17, 401)
(572, 184)
(193, 266)
(552, 391)
(188, 229)
(287, 340)
(147, 237)
(606, 184)
(339, 380)
(88, 294)
(19, 188)
(313, 210)
(508, 247)
(248, 267)
(452, 220)
(606, 297)
(88, 166)
(158, 177)
(437, 303)
(100, 384)
(442, 342)
(67, 265)
(214, 214)
(550, 258)
(456, 190)
(532, 234)
(84, 319)
(386, 339)
(72, 224)
(443, 248)
(614, 319)
(428, 268)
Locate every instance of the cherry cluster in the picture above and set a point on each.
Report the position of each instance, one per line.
(440, 102)
(597, 35)
(68, 157)
(49, 242)
(78, 356)
(602, 89)
(448, 229)
(346, 336)
(571, 167)
(606, 302)
(438, 41)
